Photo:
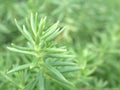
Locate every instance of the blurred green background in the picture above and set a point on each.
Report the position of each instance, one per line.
(92, 33)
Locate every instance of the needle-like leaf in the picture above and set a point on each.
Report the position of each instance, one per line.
(21, 68)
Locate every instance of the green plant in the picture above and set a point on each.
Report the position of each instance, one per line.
(49, 60)
(92, 33)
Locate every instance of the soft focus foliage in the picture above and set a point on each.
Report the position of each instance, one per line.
(91, 37)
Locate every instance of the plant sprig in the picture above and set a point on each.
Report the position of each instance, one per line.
(42, 46)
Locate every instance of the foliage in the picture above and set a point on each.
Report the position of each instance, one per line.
(83, 55)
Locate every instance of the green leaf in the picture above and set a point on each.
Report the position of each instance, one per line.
(24, 33)
(69, 69)
(61, 56)
(54, 50)
(28, 35)
(63, 64)
(18, 68)
(22, 48)
(19, 28)
(29, 28)
(32, 23)
(56, 75)
(54, 35)
(41, 26)
(21, 51)
(39, 31)
(36, 21)
(50, 30)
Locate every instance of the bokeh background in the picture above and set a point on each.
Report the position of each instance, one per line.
(92, 33)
